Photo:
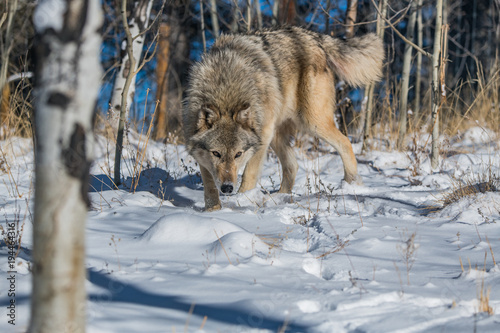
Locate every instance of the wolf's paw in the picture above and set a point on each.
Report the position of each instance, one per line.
(354, 180)
(213, 208)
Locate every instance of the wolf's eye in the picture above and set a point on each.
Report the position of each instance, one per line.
(216, 153)
(238, 154)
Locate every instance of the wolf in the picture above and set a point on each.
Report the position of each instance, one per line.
(255, 90)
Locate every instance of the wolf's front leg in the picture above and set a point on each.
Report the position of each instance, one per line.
(211, 192)
(252, 170)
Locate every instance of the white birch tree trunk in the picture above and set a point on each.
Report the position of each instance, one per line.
(140, 19)
(350, 17)
(436, 98)
(405, 78)
(276, 4)
(249, 15)
(138, 22)
(418, 75)
(369, 91)
(215, 18)
(68, 74)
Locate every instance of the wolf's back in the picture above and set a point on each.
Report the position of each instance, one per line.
(357, 60)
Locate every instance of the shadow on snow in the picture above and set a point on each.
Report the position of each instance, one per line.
(228, 313)
(154, 180)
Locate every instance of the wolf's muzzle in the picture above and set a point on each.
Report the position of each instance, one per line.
(226, 188)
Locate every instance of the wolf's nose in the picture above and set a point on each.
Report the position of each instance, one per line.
(226, 188)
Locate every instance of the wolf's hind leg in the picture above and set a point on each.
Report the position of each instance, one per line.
(211, 193)
(319, 117)
(282, 148)
(327, 131)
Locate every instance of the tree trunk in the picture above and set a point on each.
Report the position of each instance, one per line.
(64, 112)
(458, 51)
(162, 56)
(172, 68)
(490, 36)
(235, 18)
(287, 12)
(327, 16)
(138, 21)
(350, 17)
(276, 4)
(258, 12)
(249, 15)
(473, 33)
(215, 18)
(382, 10)
(346, 107)
(202, 18)
(405, 78)
(436, 98)
(418, 78)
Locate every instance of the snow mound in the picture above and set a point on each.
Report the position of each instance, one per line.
(238, 245)
(478, 135)
(474, 274)
(308, 306)
(184, 228)
(370, 302)
(474, 209)
(312, 266)
(390, 159)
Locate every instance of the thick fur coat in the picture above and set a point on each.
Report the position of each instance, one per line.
(252, 91)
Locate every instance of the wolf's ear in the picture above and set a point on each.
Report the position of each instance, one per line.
(206, 118)
(244, 117)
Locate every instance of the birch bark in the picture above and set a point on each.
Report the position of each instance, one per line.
(137, 25)
(350, 17)
(418, 74)
(67, 77)
(405, 78)
(382, 12)
(138, 22)
(435, 85)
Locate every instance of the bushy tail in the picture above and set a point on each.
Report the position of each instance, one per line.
(358, 60)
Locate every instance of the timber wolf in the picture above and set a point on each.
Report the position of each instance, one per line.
(251, 91)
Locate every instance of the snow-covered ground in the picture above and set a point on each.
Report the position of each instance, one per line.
(383, 257)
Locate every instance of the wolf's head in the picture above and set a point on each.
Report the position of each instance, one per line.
(223, 143)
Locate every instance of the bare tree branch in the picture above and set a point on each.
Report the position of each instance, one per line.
(415, 46)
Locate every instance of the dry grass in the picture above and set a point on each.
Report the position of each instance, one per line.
(469, 103)
(482, 107)
(15, 121)
(484, 294)
(340, 244)
(136, 154)
(484, 300)
(141, 153)
(407, 249)
(470, 185)
(104, 128)
(16, 111)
